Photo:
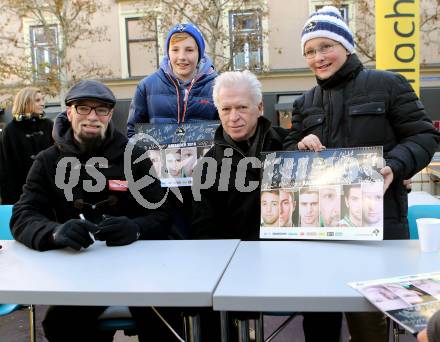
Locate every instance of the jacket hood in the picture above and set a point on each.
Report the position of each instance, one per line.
(62, 135)
(204, 68)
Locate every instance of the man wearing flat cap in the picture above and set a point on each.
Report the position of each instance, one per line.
(78, 187)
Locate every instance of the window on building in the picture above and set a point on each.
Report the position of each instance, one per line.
(44, 49)
(246, 39)
(142, 47)
(342, 8)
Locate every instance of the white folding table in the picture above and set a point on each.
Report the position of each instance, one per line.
(421, 198)
(312, 276)
(180, 273)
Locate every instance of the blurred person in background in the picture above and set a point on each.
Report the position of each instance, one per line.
(24, 137)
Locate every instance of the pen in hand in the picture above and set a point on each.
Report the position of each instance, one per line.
(91, 227)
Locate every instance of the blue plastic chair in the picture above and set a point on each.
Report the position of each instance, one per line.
(6, 309)
(5, 217)
(117, 318)
(420, 211)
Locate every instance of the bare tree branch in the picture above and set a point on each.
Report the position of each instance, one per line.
(208, 16)
(74, 22)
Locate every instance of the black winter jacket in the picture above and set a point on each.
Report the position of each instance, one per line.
(21, 142)
(44, 203)
(227, 213)
(359, 107)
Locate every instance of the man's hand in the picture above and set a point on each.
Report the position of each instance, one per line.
(388, 177)
(117, 231)
(311, 142)
(422, 336)
(74, 234)
(407, 185)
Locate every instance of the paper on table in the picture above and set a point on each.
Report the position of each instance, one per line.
(408, 300)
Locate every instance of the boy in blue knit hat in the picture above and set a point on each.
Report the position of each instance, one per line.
(181, 90)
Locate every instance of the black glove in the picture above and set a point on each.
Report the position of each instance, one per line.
(74, 233)
(117, 231)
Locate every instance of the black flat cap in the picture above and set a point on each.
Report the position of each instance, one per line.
(90, 90)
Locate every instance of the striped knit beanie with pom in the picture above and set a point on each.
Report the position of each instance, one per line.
(327, 22)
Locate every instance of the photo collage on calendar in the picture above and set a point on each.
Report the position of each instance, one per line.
(335, 194)
(408, 300)
(175, 149)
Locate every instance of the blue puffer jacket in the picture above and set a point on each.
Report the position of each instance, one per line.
(161, 98)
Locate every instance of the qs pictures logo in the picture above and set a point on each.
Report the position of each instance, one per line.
(136, 186)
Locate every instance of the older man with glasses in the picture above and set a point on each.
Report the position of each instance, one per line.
(78, 187)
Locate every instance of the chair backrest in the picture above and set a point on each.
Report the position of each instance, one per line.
(6, 309)
(420, 211)
(117, 318)
(5, 217)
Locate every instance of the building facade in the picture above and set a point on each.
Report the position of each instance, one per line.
(262, 35)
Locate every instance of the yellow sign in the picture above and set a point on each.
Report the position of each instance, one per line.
(398, 38)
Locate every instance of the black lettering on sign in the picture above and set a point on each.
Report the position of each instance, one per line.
(397, 14)
(398, 52)
(404, 34)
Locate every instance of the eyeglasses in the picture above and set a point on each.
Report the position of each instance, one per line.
(323, 50)
(86, 110)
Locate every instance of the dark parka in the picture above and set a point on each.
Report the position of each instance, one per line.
(44, 206)
(22, 141)
(228, 213)
(162, 98)
(360, 107)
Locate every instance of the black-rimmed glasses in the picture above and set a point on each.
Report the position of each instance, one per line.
(86, 110)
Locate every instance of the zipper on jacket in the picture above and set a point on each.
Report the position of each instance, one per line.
(330, 117)
(181, 116)
(185, 101)
(178, 97)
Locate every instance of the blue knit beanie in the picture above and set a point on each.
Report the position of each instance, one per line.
(328, 23)
(193, 31)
